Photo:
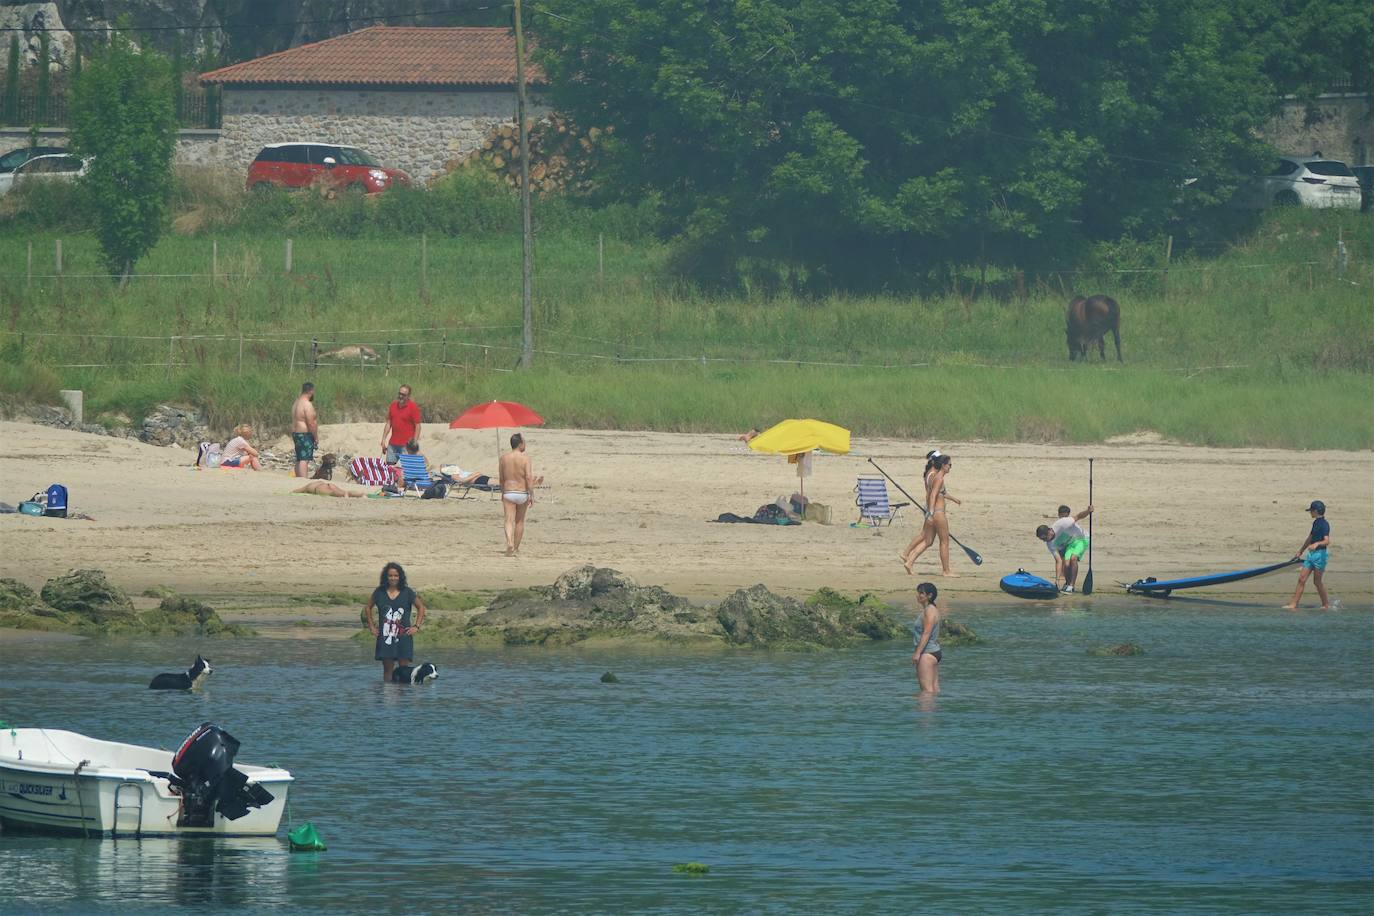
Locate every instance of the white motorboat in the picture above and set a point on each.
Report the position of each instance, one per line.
(63, 781)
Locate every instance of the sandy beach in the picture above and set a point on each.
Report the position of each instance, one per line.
(642, 502)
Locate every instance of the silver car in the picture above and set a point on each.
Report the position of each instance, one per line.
(1304, 181)
(64, 167)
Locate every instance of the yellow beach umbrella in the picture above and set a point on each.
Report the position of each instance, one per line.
(797, 437)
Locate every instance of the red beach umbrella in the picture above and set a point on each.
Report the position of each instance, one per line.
(494, 415)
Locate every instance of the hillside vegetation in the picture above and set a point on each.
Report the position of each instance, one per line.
(1260, 340)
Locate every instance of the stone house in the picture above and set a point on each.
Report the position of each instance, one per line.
(412, 97)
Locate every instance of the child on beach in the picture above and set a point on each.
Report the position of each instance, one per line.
(1314, 564)
(1067, 542)
(927, 655)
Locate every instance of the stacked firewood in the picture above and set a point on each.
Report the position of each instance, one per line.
(562, 155)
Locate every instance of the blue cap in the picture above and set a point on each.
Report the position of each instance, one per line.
(1317, 506)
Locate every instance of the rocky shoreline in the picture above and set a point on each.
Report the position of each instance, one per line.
(585, 605)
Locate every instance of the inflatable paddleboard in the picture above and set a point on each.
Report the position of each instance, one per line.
(1022, 584)
(1161, 589)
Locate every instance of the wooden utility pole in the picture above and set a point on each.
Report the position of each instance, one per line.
(527, 241)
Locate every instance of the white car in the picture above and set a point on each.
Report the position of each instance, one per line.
(1304, 181)
(64, 167)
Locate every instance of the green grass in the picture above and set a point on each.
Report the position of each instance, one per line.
(1260, 344)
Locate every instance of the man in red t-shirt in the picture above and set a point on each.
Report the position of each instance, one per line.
(402, 425)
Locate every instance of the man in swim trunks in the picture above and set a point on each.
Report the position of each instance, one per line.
(305, 429)
(1067, 543)
(517, 491)
(1314, 564)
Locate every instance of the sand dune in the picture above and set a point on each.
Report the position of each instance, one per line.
(641, 501)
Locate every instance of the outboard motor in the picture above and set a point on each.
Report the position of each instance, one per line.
(203, 768)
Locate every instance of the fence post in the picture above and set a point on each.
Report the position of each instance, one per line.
(28, 275)
(387, 372)
(1021, 286)
(240, 353)
(293, 357)
(57, 256)
(171, 344)
(214, 260)
(1342, 255)
(424, 266)
(443, 354)
(314, 354)
(1168, 256)
(288, 256)
(600, 257)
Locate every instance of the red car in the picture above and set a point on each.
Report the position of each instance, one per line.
(299, 165)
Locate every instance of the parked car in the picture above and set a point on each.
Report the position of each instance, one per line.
(1304, 181)
(17, 157)
(57, 167)
(1365, 174)
(299, 165)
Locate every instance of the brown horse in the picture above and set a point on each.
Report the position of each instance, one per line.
(1089, 320)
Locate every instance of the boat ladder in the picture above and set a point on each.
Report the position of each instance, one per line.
(135, 809)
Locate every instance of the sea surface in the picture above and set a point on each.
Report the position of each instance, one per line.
(1231, 768)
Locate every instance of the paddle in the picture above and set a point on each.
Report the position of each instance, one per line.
(972, 554)
(1088, 579)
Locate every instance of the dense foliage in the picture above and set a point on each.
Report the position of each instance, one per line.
(872, 141)
(123, 116)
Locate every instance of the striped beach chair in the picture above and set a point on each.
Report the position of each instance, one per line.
(874, 506)
(414, 472)
(371, 472)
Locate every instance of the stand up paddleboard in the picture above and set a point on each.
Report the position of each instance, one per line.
(1022, 584)
(1157, 589)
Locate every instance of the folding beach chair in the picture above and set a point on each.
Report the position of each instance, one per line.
(873, 503)
(372, 472)
(414, 473)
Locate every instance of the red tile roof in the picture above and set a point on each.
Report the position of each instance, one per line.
(386, 55)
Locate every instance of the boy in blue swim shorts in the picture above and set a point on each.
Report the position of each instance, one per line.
(1314, 564)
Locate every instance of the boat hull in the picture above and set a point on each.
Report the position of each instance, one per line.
(40, 791)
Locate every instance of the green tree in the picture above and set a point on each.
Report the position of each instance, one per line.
(868, 141)
(122, 115)
(12, 82)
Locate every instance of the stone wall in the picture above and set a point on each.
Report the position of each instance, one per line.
(194, 147)
(415, 131)
(1341, 126)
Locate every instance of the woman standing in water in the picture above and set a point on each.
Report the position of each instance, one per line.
(936, 524)
(393, 627)
(927, 656)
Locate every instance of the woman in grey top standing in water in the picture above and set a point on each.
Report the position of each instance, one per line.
(927, 656)
(399, 615)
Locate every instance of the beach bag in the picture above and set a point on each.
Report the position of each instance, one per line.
(209, 455)
(817, 512)
(435, 491)
(29, 507)
(55, 501)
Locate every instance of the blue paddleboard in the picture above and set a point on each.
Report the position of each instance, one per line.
(1152, 586)
(1026, 585)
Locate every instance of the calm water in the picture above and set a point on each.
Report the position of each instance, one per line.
(1230, 768)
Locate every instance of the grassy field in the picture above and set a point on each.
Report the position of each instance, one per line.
(1259, 343)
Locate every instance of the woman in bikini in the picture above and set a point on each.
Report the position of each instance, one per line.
(936, 523)
(927, 654)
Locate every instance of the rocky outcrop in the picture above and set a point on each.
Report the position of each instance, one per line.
(597, 603)
(170, 425)
(85, 603)
(954, 633)
(88, 594)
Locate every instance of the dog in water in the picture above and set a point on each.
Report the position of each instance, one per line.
(414, 674)
(189, 679)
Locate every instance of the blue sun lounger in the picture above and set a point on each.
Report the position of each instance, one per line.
(874, 506)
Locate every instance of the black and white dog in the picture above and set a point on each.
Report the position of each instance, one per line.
(417, 674)
(189, 679)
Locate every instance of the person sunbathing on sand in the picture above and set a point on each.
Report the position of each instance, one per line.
(325, 488)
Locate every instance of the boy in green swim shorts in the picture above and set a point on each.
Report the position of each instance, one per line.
(1067, 543)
